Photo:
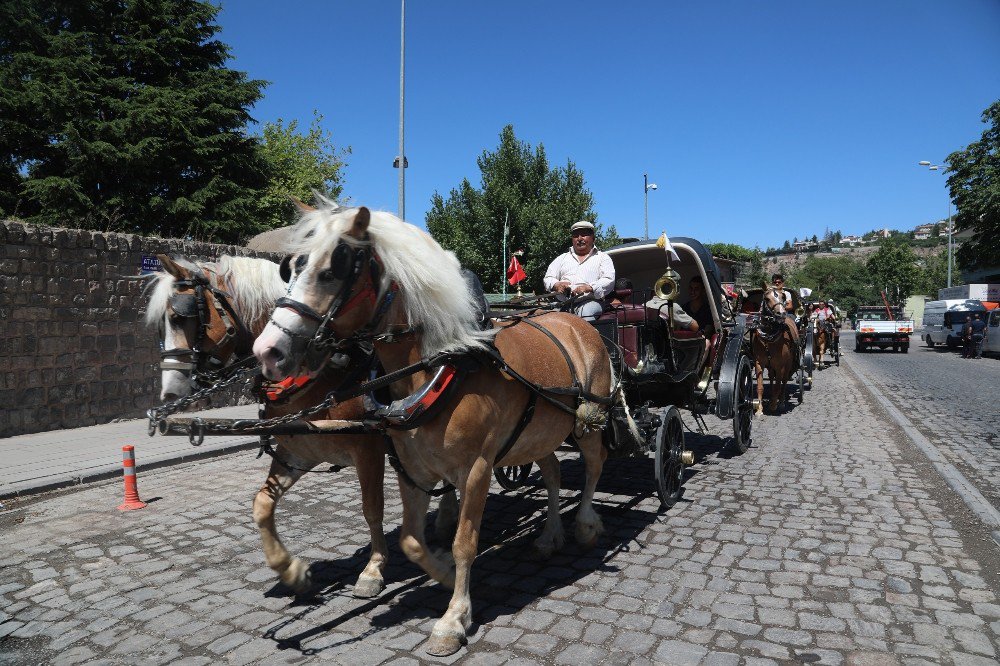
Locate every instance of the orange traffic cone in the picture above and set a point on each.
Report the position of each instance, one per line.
(132, 500)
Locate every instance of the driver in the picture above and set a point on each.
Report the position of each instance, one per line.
(778, 280)
(582, 271)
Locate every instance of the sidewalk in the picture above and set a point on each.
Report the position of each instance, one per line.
(47, 460)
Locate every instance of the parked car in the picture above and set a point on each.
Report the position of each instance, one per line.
(943, 320)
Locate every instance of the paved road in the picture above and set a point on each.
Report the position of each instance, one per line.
(819, 545)
(953, 401)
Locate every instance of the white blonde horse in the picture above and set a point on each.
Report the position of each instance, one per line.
(246, 289)
(361, 274)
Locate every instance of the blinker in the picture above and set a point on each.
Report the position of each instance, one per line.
(184, 305)
(341, 262)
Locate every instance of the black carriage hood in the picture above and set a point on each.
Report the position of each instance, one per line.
(704, 257)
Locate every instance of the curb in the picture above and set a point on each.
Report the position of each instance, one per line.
(955, 479)
(114, 471)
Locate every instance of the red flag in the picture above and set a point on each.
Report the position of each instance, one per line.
(514, 272)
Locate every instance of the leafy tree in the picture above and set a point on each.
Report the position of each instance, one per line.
(934, 274)
(936, 230)
(893, 268)
(539, 203)
(841, 279)
(297, 163)
(122, 115)
(786, 246)
(974, 182)
(815, 239)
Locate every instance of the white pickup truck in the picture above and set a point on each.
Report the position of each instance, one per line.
(876, 329)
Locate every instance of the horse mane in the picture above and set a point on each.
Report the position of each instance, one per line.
(254, 284)
(437, 297)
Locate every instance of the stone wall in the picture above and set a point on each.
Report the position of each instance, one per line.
(74, 350)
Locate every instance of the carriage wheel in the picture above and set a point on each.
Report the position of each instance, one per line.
(836, 352)
(669, 463)
(743, 404)
(800, 392)
(512, 478)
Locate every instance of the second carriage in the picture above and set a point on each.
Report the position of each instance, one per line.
(664, 370)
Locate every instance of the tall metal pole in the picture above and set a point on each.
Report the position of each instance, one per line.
(402, 97)
(949, 241)
(645, 206)
(503, 259)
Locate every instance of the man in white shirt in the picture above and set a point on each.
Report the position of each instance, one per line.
(778, 280)
(581, 271)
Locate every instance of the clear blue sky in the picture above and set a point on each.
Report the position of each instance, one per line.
(759, 121)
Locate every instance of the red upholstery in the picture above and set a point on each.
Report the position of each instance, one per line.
(625, 314)
(681, 334)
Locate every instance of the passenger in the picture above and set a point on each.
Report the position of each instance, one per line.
(581, 271)
(697, 305)
(678, 317)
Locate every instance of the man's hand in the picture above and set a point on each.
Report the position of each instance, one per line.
(583, 289)
(561, 287)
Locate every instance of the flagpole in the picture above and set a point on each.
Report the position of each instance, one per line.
(503, 259)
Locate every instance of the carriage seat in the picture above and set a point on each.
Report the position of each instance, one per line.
(621, 306)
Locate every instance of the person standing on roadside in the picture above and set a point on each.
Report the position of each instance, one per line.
(583, 271)
(967, 338)
(978, 329)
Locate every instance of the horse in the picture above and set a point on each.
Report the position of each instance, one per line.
(775, 342)
(355, 274)
(822, 339)
(199, 339)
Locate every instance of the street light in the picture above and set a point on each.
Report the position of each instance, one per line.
(937, 167)
(646, 187)
(400, 162)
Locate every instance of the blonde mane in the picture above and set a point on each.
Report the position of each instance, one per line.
(255, 284)
(435, 295)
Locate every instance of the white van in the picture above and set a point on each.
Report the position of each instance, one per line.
(991, 343)
(943, 320)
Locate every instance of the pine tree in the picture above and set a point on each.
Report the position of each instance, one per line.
(121, 115)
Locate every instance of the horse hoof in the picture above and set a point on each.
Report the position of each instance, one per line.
(546, 547)
(297, 577)
(368, 587)
(444, 645)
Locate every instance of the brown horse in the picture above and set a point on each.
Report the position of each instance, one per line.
(822, 338)
(244, 290)
(358, 273)
(775, 343)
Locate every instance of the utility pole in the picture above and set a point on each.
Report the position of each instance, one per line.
(400, 162)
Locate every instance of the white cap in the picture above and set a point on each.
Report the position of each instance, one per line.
(582, 224)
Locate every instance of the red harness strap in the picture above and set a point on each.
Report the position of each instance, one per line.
(284, 388)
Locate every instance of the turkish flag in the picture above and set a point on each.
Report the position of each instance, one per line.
(514, 272)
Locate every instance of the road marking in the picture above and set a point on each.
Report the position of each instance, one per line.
(956, 480)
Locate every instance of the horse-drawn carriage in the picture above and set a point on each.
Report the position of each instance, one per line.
(372, 304)
(753, 309)
(662, 368)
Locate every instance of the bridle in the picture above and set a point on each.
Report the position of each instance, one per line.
(348, 264)
(201, 365)
(771, 320)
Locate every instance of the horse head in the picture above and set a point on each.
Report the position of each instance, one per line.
(201, 330)
(773, 301)
(354, 274)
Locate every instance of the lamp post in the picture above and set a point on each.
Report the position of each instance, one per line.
(937, 167)
(400, 161)
(646, 187)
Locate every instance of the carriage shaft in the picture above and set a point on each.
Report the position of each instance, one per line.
(209, 427)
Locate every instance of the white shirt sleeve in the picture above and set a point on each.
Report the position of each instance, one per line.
(605, 281)
(552, 273)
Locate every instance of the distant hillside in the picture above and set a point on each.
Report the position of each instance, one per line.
(789, 262)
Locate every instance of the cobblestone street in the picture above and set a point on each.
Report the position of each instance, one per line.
(831, 541)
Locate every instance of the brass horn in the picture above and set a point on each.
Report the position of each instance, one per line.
(666, 286)
(799, 311)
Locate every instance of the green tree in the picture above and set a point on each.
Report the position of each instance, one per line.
(893, 269)
(297, 164)
(934, 274)
(936, 230)
(786, 246)
(517, 185)
(974, 182)
(122, 115)
(842, 279)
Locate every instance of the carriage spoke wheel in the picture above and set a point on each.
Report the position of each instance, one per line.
(512, 478)
(800, 393)
(669, 450)
(836, 351)
(743, 404)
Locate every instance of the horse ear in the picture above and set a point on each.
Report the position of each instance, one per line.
(300, 205)
(171, 266)
(763, 285)
(360, 225)
(285, 268)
